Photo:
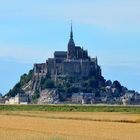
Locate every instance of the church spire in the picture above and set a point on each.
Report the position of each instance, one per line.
(71, 46)
(71, 33)
(71, 41)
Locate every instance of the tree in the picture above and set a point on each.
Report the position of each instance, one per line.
(17, 89)
(93, 83)
(117, 85)
(108, 83)
(72, 89)
(25, 78)
(84, 84)
(86, 90)
(47, 83)
(97, 94)
(36, 95)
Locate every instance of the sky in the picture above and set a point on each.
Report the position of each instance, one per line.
(31, 30)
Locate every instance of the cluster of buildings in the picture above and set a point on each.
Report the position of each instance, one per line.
(18, 99)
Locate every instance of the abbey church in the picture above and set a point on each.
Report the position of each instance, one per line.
(74, 62)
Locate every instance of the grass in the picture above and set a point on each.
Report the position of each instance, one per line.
(71, 108)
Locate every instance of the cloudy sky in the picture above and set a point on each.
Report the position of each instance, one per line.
(31, 30)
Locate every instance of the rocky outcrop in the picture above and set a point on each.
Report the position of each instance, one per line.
(69, 76)
(48, 96)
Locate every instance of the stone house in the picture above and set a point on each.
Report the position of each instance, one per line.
(77, 98)
(83, 98)
(18, 99)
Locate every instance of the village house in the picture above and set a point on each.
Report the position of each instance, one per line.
(83, 98)
(18, 99)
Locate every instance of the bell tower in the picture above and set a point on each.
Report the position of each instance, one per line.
(71, 46)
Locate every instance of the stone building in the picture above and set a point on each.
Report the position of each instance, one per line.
(18, 99)
(2, 100)
(74, 62)
(77, 98)
(83, 98)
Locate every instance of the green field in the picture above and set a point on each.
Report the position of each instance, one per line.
(71, 108)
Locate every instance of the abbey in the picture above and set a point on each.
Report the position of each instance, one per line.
(74, 62)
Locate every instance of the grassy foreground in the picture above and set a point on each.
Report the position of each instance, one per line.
(71, 108)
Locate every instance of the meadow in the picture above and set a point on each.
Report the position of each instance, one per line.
(72, 108)
(37, 122)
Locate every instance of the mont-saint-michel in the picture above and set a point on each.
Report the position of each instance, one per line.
(64, 80)
(70, 77)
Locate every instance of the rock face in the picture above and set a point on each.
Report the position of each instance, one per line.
(48, 97)
(72, 77)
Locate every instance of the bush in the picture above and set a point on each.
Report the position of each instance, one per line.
(17, 89)
(47, 83)
(93, 83)
(72, 90)
(117, 85)
(25, 78)
(36, 95)
(108, 83)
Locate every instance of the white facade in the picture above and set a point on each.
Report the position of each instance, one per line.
(17, 100)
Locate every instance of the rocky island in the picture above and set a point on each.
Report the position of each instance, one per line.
(71, 77)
